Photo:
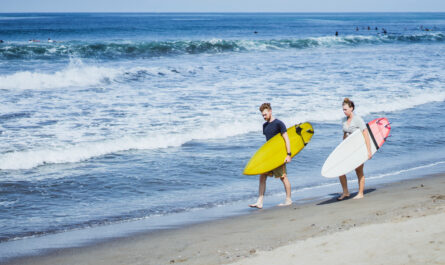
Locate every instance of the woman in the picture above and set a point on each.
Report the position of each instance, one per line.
(351, 123)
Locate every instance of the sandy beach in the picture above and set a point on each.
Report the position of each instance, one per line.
(400, 223)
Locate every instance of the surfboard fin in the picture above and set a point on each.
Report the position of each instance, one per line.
(387, 137)
(298, 129)
(378, 121)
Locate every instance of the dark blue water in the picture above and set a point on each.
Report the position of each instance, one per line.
(129, 122)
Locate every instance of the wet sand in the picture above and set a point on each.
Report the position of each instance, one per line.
(399, 223)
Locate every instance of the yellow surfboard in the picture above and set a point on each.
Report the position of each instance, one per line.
(272, 154)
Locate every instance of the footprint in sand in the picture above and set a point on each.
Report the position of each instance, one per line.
(437, 197)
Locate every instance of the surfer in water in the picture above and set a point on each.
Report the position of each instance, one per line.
(351, 123)
(271, 128)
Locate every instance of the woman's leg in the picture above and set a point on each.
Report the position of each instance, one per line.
(361, 182)
(344, 185)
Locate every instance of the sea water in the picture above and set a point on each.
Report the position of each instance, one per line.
(113, 124)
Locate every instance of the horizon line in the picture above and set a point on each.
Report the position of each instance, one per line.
(207, 12)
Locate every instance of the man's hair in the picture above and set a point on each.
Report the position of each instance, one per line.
(265, 106)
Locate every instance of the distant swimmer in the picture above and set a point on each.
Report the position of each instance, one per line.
(50, 40)
(384, 31)
(376, 28)
(256, 32)
(356, 28)
(336, 33)
(369, 28)
(1, 41)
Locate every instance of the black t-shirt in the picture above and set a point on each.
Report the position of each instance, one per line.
(270, 129)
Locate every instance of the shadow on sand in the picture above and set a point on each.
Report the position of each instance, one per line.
(336, 195)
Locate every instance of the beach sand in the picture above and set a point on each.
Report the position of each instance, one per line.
(399, 223)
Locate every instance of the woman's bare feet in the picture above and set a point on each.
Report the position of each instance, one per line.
(343, 196)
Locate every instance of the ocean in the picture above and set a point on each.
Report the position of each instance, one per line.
(113, 124)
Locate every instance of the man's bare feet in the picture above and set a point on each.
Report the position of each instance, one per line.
(287, 202)
(256, 205)
(358, 196)
(343, 196)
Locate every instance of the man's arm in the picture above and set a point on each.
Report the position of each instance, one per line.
(286, 140)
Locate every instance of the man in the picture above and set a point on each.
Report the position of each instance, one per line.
(271, 128)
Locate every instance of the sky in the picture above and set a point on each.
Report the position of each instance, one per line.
(222, 6)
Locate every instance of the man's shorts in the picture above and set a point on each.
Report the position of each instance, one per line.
(278, 172)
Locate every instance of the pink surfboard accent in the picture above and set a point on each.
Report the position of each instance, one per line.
(380, 129)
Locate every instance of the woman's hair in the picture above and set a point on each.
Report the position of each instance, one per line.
(265, 106)
(348, 102)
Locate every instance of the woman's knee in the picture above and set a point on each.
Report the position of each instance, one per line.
(359, 170)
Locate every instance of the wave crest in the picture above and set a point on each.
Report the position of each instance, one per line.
(104, 50)
(76, 74)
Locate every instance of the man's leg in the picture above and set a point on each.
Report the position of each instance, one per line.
(287, 188)
(261, 191)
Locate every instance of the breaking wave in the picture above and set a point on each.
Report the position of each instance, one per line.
(147, 49)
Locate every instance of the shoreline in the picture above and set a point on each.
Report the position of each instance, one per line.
(251, 235)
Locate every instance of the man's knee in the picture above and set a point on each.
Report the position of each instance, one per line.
(284, 177)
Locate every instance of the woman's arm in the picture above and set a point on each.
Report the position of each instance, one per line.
(367, 141)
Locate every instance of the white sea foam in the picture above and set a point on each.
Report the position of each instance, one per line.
(201, 99)
(77, 74)
(330, 113)
(350, 39)
(7, 203)
(395, 173)
(74, 75)
(84, 151)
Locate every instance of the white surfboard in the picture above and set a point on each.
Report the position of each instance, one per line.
(352, 152)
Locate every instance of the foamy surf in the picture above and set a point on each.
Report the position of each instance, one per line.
(84, 151)
(78, 74)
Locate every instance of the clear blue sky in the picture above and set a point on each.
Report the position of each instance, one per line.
(222, 6)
